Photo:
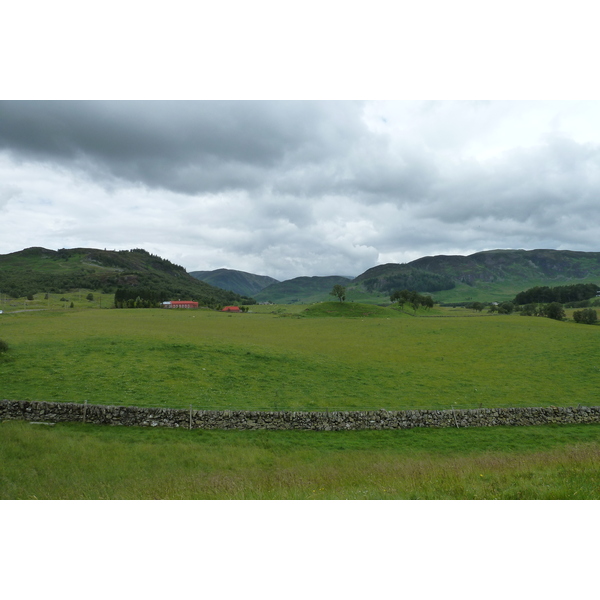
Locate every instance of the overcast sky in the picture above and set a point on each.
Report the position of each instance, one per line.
(286, 188)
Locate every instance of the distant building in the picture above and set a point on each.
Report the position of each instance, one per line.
(180, 304)
(231, 309)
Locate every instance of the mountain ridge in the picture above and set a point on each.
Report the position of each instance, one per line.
(486, 275)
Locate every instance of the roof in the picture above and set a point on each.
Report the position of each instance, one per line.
(231, 309)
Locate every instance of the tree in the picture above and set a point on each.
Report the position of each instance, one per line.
(506, 308)
(587, 316)
(402, 297)
(90, 296)
(428, 302)
(411, 297)
(339, 291)
(415, 300)
(555, 311)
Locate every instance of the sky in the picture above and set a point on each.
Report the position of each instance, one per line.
(292, 188)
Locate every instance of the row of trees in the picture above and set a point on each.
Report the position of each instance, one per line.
(561, 293)
(412, 298)
(588, 316)
(552, 310)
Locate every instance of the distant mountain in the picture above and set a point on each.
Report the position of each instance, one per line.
(240, 282)
(37, 269)
(301, 289)
(501, 274)
(502, 265)
(490, 275)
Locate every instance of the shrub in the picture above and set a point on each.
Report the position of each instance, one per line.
(554, 310)
(506, 308)
(588, 316)
(3, 346)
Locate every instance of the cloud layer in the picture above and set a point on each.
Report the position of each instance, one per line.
(299, 188)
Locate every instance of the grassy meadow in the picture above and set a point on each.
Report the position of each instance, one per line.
(77, 461)
(287, 357)
(278, 358)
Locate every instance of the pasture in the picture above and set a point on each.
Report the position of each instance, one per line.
(276, 358)
(77, 461)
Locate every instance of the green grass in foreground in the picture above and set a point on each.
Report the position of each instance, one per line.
(76, 461)
(264, 361)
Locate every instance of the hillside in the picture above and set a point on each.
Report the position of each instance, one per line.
(36, 270)
(301, 289)
(390, 277)
(493, 275)
(240, 282)
(505, 265)
(501, 274)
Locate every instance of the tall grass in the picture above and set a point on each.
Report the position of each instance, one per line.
(75, 461)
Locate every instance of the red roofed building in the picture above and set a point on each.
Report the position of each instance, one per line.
(231, 309)
(180, 304)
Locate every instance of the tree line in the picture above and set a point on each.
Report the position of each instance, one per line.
(561, 293)
(412, 298)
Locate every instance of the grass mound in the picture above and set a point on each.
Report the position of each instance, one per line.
(348, 309)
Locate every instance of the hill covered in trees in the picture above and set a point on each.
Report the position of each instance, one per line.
(35, 270)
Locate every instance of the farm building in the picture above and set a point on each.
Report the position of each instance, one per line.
(180, 304)
(231, 309)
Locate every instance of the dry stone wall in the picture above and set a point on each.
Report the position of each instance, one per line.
(57, 412)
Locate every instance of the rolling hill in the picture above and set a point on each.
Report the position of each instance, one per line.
(484, 276)
(501, 274)
(494, 275)
(240, 282)
(301, 289)
(506, 265)
(37, 269)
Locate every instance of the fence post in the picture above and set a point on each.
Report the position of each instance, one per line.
(454, 415)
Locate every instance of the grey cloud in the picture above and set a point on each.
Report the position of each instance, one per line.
(297, 188)
(535, 185)
(190, 147)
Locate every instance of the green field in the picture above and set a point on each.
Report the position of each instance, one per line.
(331, 356)
(280, 359)
(77, 461)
